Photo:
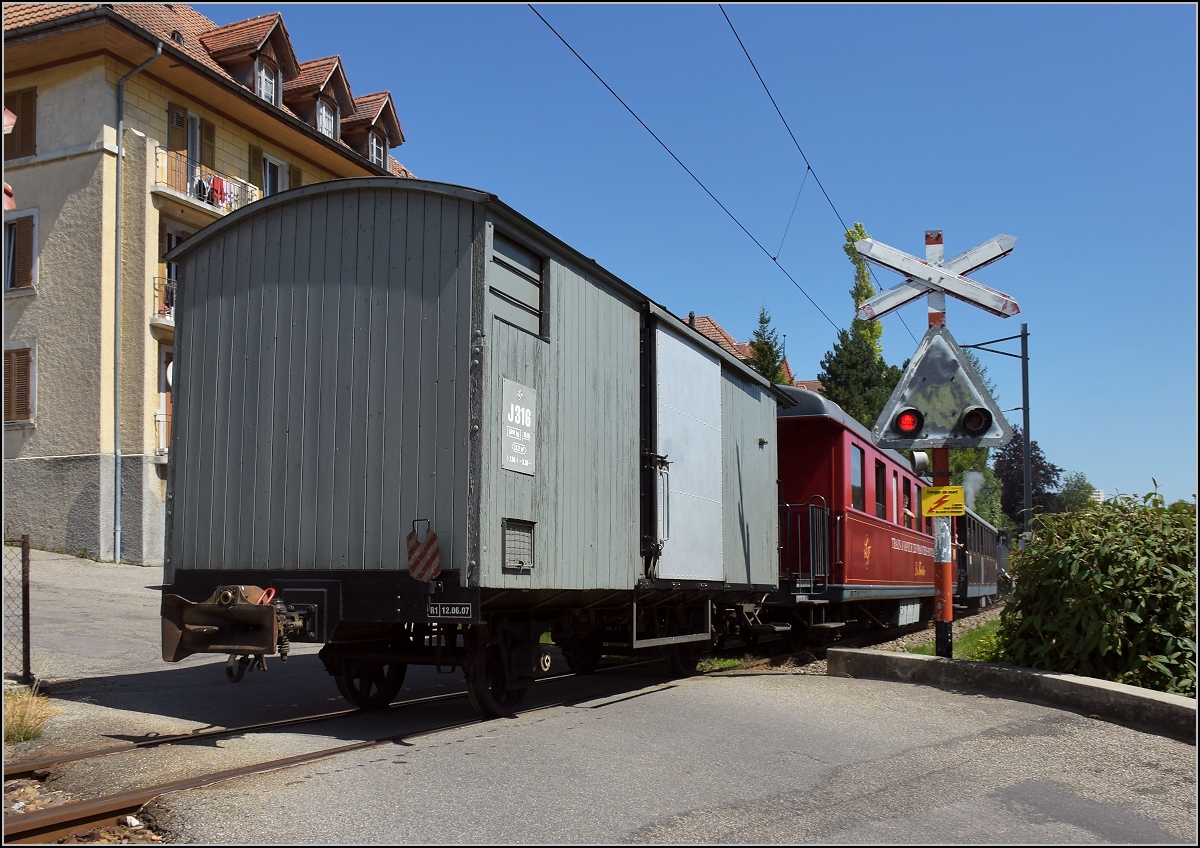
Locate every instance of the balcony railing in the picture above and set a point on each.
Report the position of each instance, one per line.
(164, 299)
(224, 193)
(162, 433)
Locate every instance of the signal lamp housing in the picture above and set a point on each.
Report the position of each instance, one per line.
(976, 420)
(908, 423)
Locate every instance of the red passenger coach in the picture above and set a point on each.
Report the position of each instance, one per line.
(853, 544)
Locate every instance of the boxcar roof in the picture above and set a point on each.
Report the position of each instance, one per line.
(493, 203)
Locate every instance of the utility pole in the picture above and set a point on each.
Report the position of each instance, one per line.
(1027, 450)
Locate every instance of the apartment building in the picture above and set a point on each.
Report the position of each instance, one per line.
(136, 125)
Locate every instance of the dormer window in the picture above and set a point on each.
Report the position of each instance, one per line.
(267, 82)
(326, 119)
(378, 150)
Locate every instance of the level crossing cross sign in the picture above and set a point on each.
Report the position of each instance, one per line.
(922, 277)
(940, 401)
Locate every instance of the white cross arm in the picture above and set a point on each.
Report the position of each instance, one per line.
(990, 251)
(893, 298)
(935, 277)
(971, 260)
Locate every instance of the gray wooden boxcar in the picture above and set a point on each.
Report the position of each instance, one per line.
(415, 426)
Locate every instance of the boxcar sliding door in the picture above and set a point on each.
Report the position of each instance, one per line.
(689, 437)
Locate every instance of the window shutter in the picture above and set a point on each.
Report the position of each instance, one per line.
(256, 169)
(23, 253)
(295, 177)
(23, 139)
(16, 384)
(208, 144)
(176, 127)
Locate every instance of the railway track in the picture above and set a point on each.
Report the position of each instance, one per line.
(108, 815)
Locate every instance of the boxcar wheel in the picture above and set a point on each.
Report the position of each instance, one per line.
(582, 659)
(370, 685)
(487, 687)
(682, 659)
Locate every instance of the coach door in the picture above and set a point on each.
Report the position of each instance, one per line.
(687, 507)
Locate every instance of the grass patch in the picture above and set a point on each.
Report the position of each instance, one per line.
(978, 644)
(26, 712)
(708, 664)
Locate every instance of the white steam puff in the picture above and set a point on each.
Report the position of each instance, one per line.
(972, 483)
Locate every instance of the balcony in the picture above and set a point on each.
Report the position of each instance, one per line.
(194, 193)
(162, 319)
(162, 437)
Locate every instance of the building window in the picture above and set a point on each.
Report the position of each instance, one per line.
(326, 119)
(22, 141)
(19, 385)
(267, 79)
(378, 150)
(858, 458)
(275, 175)
(20, 252)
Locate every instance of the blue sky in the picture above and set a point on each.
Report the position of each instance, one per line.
(1071, 127)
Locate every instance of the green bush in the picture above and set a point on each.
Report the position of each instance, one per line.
(1108, 592)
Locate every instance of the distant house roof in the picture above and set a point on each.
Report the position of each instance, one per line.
(717, 334)
(200, 39)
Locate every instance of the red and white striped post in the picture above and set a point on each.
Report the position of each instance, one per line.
(943, 565)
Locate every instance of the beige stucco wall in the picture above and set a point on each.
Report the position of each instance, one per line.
(59, 476)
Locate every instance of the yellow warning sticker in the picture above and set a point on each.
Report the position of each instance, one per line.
(943, 500)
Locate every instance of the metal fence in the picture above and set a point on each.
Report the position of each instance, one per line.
(16, 610)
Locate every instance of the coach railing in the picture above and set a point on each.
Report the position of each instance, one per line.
(804, 545)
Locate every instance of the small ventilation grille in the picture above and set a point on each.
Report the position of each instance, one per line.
(518, 544)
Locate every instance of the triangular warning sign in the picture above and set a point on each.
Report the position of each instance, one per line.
(940, 402)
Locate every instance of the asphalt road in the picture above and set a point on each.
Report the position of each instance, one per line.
(619, 758)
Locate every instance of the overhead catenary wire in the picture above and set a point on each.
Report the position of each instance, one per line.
(808, 164)
(685, 167)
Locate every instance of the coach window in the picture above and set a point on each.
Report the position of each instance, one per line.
(909, 515)
(858, 498)
(880, 490)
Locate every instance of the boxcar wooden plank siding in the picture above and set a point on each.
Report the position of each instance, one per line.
(747, 414)
(268, 516)
(331, 389)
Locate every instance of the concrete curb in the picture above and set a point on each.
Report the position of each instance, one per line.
(1143, 709)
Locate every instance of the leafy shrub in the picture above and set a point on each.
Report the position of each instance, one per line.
(1108, 592)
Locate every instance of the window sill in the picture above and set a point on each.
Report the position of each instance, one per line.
(20, 425)
(20, 291)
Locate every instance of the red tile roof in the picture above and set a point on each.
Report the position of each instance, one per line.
(313, 74)
(717, 334)
(372, 108)
(201, 38)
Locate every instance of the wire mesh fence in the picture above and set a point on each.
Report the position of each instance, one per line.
(16, 610)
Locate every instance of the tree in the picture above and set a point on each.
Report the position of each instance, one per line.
(767, 358)
(854, 374)
(1009, 467)
(856, 378)
(1076, 492)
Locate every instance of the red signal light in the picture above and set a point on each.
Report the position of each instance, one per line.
(908, 422)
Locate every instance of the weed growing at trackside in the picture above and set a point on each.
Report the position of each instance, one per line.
(26, 712)
(977, 644)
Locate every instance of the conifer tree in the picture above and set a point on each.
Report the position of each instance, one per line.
(767, 358)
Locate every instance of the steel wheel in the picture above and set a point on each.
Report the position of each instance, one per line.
(491, 694)
(370, 684)
(582, 657)
(682, 659)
